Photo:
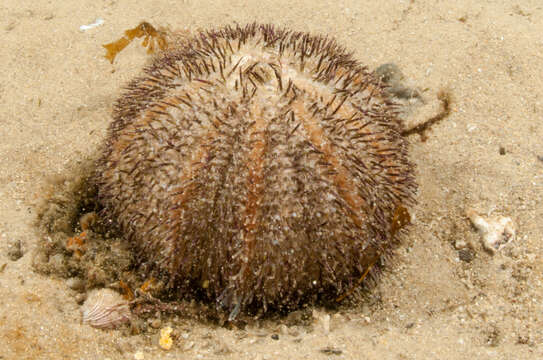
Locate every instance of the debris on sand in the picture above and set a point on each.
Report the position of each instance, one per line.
(496, 231)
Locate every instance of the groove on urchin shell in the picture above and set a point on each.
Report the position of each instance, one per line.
(259, 165)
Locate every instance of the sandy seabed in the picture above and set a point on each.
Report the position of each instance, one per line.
(56, 97)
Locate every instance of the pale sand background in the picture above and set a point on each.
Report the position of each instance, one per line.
(56, 94)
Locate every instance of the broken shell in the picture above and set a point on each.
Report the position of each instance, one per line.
(496, 231)
(105, 309)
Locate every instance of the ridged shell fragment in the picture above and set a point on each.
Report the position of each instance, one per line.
(105, 309)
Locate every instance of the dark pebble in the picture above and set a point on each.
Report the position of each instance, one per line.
(331, 351)
(275, 337)
(15, 251)
(466, 255)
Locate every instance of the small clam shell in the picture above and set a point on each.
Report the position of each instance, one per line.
(105, 309)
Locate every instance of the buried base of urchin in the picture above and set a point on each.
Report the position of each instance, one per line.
(76, 244)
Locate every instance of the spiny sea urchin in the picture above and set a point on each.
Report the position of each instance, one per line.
(258, 165)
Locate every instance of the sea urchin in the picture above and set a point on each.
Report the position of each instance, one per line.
(257, 166)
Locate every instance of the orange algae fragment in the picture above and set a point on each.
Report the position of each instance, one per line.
(152, 39)
(77, 244)
(128, 293)
(400, 219)
(148, 284)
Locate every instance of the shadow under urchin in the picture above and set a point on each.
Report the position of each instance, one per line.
(256, 166)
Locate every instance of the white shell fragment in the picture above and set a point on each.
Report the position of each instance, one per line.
(496, 231)
(105, 309)
(96, 23)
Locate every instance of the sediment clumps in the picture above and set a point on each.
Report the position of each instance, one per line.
(257, 167)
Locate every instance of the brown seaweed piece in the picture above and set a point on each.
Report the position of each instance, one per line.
(153, 38)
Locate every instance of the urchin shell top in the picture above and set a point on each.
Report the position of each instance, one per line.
(258, 165)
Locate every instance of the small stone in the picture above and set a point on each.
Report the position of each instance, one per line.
(155, 323)
(15, 251)
(80, 298)
(460, 244)
(331, 351)
(466, 255)
(76, 284)
(275, 337)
